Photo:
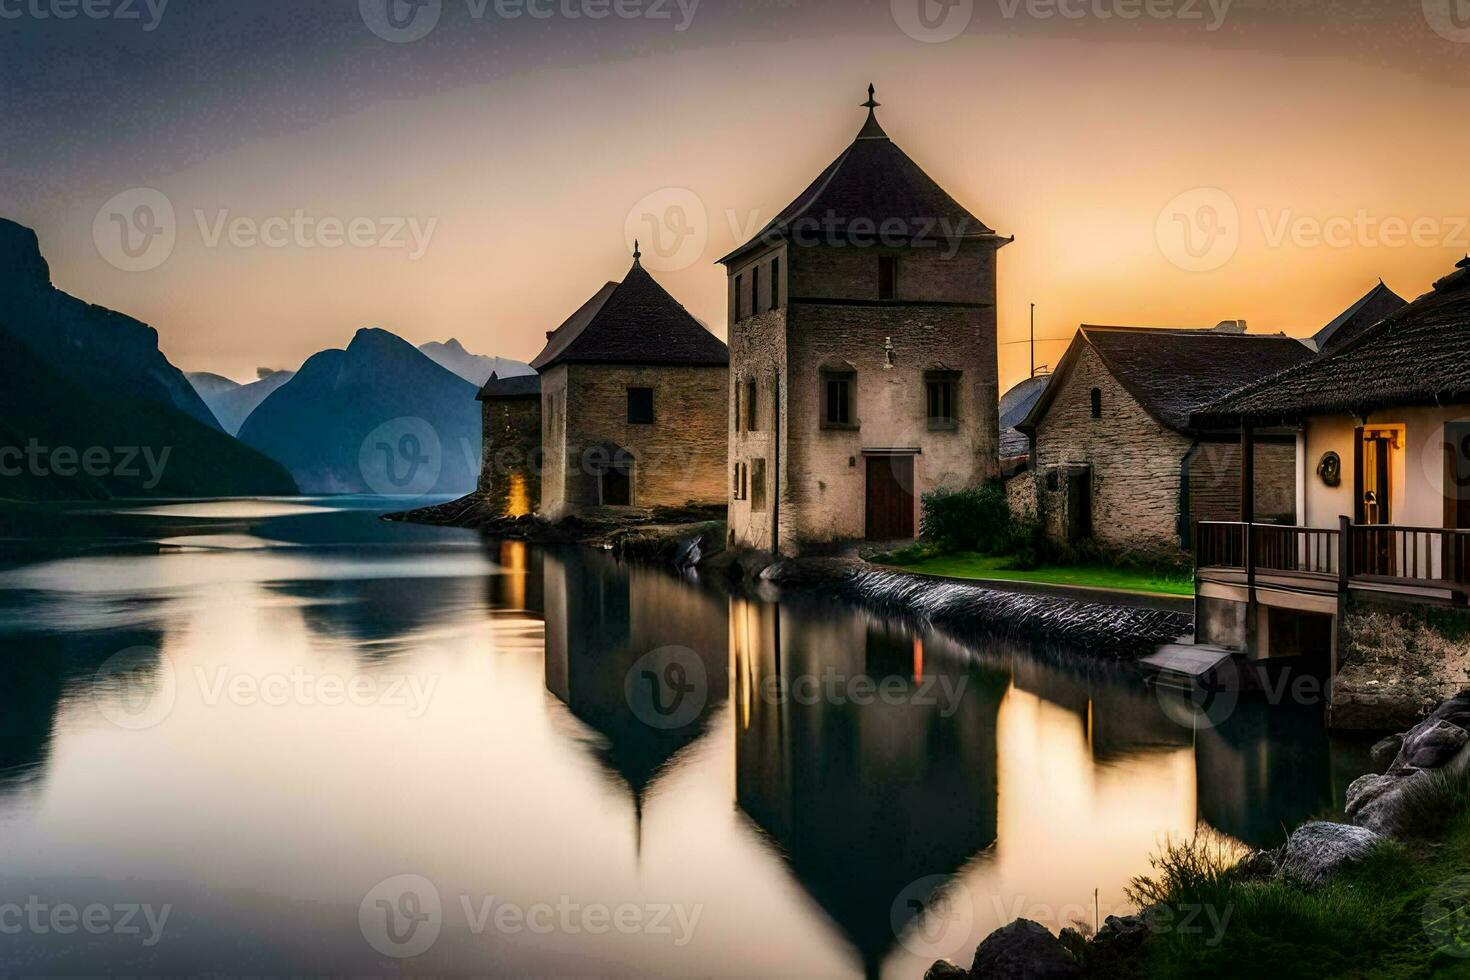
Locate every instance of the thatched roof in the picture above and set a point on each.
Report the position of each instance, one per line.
(635, 321)
(1174, 373)
(1417, 356)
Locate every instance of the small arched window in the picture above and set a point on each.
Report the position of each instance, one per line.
(1097, 403)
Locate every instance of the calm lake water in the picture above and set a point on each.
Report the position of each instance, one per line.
(284, 737)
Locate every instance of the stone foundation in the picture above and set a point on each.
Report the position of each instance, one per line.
(1396, 663)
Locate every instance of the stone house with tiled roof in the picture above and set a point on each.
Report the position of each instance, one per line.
(863, 354)
(1117, 462)
(633, 403)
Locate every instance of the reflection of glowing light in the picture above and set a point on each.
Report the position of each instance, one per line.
(513, 563)
(918, 658)
(518, 502)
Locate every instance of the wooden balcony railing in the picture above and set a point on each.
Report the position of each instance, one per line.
(1409, 556)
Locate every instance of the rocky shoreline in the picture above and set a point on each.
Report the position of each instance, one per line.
(1422, 789)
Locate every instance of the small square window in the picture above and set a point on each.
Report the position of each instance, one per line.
(837, 410)
(752, 406)
(942, 394)
(755, 291)
(640, 406)
(757, 484)
(1097, 403)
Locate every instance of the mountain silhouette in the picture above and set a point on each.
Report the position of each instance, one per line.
(379, 417)
(98, 348)
(474, 368)
(232, 402)
(90, 408)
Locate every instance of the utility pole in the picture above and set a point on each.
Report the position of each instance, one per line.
(1033, 340)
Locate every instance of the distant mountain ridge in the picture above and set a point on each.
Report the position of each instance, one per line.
(379, 417)
(232, 402)
(474, 368)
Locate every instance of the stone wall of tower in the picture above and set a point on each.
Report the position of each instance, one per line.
(510, 469)
(942, 318)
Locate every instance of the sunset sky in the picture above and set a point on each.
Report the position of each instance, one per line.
(1308, 147)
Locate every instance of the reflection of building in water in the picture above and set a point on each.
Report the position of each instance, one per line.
(602, 619)
(1260, 767)
(864, 799)
(1265, 769)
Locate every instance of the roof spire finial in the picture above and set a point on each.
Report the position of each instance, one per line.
(871, 130)
(637, 253)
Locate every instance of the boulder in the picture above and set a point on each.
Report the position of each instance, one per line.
(1407, 798)
(1431, 744)
(1317, 851)
(1023, 950)
(1386, 750)
(1126, 932)
(945, 970)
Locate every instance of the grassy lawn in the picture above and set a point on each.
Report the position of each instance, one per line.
(970, 565)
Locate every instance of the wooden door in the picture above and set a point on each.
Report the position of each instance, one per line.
(617, 487)
(1079, 505)
(890, 498)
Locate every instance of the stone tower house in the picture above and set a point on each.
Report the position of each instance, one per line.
(862, 354)
(633, 409)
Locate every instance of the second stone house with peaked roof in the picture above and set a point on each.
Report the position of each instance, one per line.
(1117, 461)
(633, 403)
(863, 354)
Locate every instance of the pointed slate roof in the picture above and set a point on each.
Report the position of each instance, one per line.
(516, 386)
(874, 184)
(1377, 303)
(1417, 356)
(1173, 373)
(1015, 405)
(632, 322)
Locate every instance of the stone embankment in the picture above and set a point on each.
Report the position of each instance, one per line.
(695, 537)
